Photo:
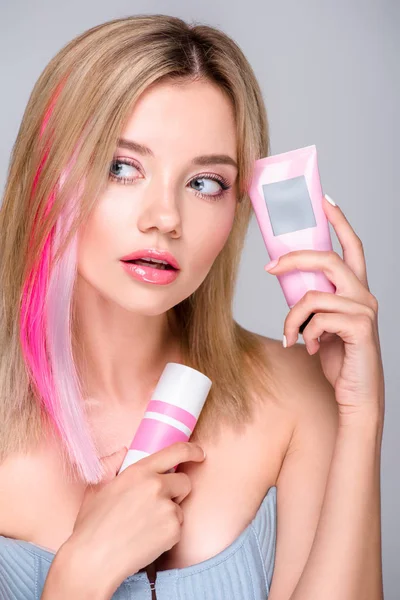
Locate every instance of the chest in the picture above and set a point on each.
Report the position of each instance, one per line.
(227, 489)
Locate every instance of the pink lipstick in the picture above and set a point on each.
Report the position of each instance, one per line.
(151, 265)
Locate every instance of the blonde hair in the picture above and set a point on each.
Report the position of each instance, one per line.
(59, 166)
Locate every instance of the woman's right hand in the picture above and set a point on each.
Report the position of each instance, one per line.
(127, 521)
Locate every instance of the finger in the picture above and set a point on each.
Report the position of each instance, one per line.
(353, 251)
(172, 455)
(111, 464)
(179, 513)
(177, 486)
(330, 263)
(353, 329)
(314, 302)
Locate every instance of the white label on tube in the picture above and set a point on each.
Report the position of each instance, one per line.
(169, 420)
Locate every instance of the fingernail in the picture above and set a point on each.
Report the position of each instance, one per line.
(330, 200)
(284, 341)
(204, 452)
(271, 264)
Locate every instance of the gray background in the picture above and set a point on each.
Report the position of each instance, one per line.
(329, 74)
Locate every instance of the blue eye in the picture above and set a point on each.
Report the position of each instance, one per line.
(223, 186)
(214, 186)
(116, 164)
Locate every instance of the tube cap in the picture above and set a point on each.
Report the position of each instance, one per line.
(183, 386)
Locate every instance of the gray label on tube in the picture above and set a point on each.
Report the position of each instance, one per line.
(289, 205)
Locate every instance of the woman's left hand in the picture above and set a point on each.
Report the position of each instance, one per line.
(345, 321)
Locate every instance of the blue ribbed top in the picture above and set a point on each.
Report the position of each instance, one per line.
(242, 571)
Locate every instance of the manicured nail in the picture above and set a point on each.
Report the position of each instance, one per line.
(330, 200)
(284, 341)
(271, 264)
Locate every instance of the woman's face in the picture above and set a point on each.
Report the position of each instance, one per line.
(153, 199)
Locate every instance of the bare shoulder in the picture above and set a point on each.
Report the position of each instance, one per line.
(40, 476)
(310, 401)
(301, 384)
(16, 483)
(311, 405)
(303, 393)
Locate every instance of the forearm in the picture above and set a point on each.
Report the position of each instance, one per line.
(70, 576)
(345, 559)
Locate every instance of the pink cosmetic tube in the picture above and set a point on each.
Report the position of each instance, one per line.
(171, 414)
(286, 195)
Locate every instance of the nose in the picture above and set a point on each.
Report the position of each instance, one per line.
(160, 211)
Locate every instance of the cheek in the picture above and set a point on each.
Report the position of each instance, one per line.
(98, 238)
(102, 231)
(92, 240)
(208, 241)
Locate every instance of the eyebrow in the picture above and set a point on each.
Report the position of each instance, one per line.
(203, 160)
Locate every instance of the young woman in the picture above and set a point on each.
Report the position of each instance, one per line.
(141, 135)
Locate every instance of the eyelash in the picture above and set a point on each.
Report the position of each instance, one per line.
(212, 197)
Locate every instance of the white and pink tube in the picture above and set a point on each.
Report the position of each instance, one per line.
(172, 412)
(286, 195)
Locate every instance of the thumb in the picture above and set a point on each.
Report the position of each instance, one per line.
(112, 464)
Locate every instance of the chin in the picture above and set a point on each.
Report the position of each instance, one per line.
(145, 304)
